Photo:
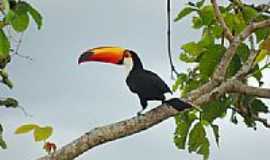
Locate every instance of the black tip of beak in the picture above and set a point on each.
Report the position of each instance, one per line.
(84, 57)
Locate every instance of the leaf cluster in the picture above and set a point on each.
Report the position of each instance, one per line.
(39, 134)
(204, 55)
(15, 15)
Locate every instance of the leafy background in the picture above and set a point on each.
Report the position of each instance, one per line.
(73, 99)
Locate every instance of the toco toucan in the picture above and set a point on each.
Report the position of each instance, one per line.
(148, 85)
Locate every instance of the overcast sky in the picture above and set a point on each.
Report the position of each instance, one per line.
(73, 99)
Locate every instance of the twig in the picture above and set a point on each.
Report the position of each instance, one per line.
(255, 117)
(26, 114)
(173, 70)
(16, 51)
(220, 19)
(245, 69)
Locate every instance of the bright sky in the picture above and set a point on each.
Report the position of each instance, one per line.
(74, 99)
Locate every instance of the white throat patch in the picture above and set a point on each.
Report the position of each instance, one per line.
(128, 63)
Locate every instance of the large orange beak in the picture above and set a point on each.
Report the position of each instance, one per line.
(112, 55)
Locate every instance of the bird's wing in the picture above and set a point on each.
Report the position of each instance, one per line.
(158, 82)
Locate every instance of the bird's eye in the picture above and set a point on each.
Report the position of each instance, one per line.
(127, 54)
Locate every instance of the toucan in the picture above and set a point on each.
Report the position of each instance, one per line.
(146, 84)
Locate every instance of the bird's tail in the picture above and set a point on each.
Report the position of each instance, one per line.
(177, 104)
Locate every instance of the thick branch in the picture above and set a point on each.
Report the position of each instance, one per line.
(220, 19)
(134, 125)
(239, 87)
(137, 124)
(112, 132)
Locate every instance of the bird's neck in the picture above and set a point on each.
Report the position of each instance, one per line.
(137, 64)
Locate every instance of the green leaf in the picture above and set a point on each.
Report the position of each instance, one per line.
(216, 133)
(183, 121)
(234, 66)
(3, 144)
(239, 23)
(243, 52)
(257, 74)
(10, 16)
(235, 22)
(262, 54)
(26, 128)
(250, 122)
(207, 39)
(6, 5)
(207, 15)
(198, 141)
(199, 4)
(35, 15)
(42, 133)
(181, 78)
(9, 103)
(214, 110)
(217, 31)
(20, 22)
(249, 13)
(4, 46)
(193, 48)
(262, 34)
(210, 59)
(259, 107)
(197, 22)
(185, 57)
(183, 13)
(190, 85)
(229, 20)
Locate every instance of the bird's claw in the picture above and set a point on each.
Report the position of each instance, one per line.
(140, 113)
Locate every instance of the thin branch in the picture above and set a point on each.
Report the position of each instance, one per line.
(248, 65)
(220, 71)
(173, 70)
(220, 19)
(253, 27)
(264, 121)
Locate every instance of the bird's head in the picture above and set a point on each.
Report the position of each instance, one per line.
(113, 55)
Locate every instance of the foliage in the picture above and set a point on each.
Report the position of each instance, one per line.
(205, 54)
(39, 134)
(15, 16)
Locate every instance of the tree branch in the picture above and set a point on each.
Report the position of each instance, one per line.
(248, 65)
(239, 87)
(137, 124)
(112, 132)
(220, 19)
(221, 70)
(255, 117)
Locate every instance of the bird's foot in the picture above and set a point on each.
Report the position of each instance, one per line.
(140, 113)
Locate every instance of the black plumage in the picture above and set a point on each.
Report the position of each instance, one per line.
(148, 85)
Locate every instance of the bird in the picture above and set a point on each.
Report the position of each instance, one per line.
(146, 84)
